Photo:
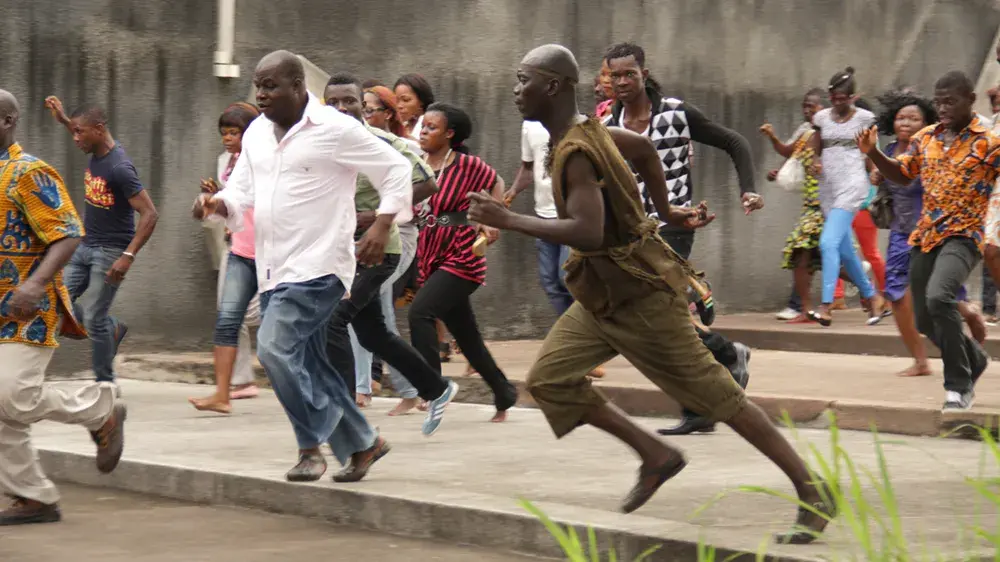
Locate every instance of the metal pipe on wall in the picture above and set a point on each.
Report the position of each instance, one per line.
(224, 67)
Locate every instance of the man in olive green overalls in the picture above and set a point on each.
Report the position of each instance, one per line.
(629, 288)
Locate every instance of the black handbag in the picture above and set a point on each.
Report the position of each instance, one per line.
(881, 208)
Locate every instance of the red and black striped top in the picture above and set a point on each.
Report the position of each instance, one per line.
(450, 247)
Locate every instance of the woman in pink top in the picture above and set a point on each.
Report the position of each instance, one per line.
(237, 282)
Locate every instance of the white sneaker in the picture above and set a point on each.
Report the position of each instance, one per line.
(958, 402)
(787, 314)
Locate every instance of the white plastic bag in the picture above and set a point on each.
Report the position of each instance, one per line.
(791, 176)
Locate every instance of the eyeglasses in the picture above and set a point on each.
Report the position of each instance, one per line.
(369, 111)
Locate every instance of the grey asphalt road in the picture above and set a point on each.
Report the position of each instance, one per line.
(110, 526)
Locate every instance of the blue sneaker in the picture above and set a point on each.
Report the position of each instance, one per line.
(435, 410)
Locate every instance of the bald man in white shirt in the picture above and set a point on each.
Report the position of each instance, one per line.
(298, 171)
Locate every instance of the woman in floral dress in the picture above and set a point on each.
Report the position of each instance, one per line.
(801, 253)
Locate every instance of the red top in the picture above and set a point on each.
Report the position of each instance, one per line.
(450, 247)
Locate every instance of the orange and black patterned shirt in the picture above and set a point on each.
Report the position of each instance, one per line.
(35, 211)
(957, 182)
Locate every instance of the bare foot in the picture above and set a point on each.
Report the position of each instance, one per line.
(597, 373)
(211, 404)
(915, 370)
(810, 524)
(243, 392)
(363, 400)
(424, 406)
(499, 417)
(404, 406)
(469, 370)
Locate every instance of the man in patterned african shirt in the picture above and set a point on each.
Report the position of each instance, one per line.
(40, 232)
(958, 161)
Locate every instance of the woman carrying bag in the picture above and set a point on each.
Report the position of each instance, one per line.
(801, 253)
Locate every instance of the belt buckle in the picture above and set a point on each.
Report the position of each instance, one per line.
(430, 220)
(444, 220)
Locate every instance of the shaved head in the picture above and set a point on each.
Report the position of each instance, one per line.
(8, 105)
(555, 60)
(286, 63)
(546, 84)
(9, 113)
(280, 80)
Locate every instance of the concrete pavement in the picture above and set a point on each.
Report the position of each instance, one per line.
(462, 485)
(861, 390)
(106, 525)
(847, 334)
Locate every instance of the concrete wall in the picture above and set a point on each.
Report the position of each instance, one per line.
(742, 62)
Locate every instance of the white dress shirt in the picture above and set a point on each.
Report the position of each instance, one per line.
(302, 193)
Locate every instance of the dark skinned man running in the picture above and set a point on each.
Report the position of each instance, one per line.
(41, 230)
(301, 159)
(629, 288)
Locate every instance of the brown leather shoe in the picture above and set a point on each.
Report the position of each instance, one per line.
(110, 439)
(362, 462)
(24, 511)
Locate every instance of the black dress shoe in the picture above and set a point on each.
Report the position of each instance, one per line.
(689, 426)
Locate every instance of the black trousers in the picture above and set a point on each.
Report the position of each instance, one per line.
(363, 310)
(722, 349)
(935, 279)
(445, 296)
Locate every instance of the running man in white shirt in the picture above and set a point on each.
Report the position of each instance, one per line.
(551, 256)
(298, 169)
(534, 149)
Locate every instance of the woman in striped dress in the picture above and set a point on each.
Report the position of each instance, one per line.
(448, 270)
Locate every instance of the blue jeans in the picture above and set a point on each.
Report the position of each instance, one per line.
(291, 345)
(551, 258)
(238, 290)
(88, 268)
(836, 246)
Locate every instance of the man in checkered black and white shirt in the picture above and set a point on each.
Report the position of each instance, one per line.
(671, 124)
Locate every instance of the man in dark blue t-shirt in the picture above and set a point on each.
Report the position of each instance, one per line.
(112, 239)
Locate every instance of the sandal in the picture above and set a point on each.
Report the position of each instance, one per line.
(645, 488)
(800, 319)
(875, 307)
(818, 318)
(810, 523)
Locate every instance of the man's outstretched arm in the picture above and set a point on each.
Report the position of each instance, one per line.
(639, 150)
(581, 228)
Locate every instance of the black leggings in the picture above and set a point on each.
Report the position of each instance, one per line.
(446, 297)
(363, 310)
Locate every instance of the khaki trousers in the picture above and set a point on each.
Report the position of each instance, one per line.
(25, 399)
(655, 334)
